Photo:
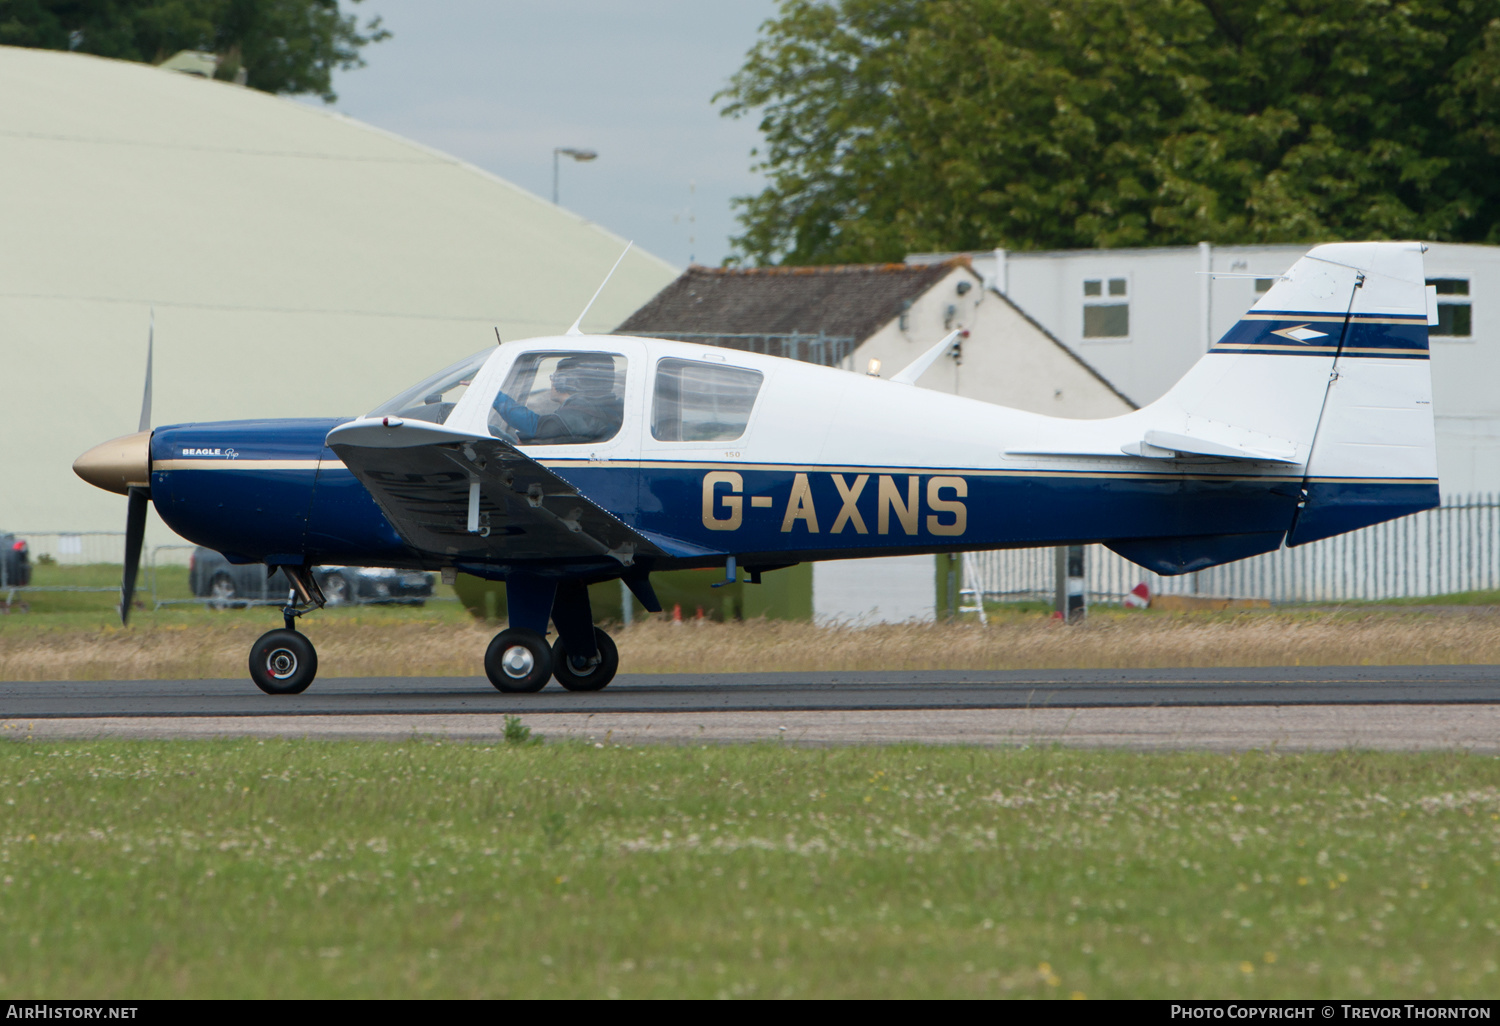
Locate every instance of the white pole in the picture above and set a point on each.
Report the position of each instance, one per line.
(1205, 294)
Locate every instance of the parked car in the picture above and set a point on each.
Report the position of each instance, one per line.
(15, 561)
(226, 584)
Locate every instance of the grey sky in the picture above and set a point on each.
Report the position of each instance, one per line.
(499, 83)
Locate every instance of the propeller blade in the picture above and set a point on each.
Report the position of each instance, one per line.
(135, 536)
(146, 399)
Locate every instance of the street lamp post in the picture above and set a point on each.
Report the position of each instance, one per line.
(567, 151)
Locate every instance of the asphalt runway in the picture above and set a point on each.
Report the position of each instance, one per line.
(769, 692)
(1295, 709)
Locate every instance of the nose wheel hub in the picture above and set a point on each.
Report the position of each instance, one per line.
(281, 663)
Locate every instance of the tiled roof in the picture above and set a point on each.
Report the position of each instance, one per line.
(851, 300)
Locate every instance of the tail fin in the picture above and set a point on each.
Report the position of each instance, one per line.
(1374, 453)
(1328, 373)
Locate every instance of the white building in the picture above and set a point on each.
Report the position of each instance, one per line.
(299, 264)
(1142, 317)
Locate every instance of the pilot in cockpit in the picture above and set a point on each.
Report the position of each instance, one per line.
(587, 409)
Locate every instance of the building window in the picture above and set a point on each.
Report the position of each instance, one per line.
(1263, 285)
(1106, 308)
(1455, 315)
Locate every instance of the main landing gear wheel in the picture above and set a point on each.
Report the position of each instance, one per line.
(586, 678)
(518, 660)
(283, 662)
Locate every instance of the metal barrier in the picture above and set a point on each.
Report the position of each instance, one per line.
(75, 548)
(1454, 548)
(92, 550)
(66, 549)
(821, 348)
(158, 602)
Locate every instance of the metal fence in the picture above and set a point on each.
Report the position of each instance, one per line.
(88, 553)
(820, 348)
(177, 555)
(1453, 548)
(75, 549)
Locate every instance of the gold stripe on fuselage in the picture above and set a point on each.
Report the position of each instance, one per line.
(804, 468)
(223, 464)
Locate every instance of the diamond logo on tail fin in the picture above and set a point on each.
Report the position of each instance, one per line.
(1301, 333)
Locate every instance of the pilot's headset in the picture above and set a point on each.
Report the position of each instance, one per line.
(589, 375)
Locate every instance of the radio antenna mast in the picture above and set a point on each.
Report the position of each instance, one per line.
(576, 329)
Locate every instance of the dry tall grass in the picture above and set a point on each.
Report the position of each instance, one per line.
(447, 649)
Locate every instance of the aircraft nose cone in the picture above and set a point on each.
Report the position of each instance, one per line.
(118, 464)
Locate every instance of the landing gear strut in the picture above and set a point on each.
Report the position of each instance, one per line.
(284, 662)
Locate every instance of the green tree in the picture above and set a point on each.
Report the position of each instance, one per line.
(285, 46)
(967, 124)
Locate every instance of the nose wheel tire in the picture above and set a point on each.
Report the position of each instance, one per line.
(583, 677)
(283, 662)
(518, 661)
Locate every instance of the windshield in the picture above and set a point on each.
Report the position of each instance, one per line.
(434, 398)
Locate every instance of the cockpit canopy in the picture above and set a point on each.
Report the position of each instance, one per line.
(569, 396)
(432, 399)
(565, 397)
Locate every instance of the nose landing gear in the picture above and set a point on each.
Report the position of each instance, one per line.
(283, 661)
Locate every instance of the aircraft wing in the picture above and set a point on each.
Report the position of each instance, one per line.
(463, 497)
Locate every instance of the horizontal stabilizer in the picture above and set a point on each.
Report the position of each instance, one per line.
(1198, 446)
(1169, 445)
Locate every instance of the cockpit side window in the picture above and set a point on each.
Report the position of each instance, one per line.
(702, 402)
(566, 398)
(434, 398)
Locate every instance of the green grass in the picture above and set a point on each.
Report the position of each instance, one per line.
(293, 869)
(1458, 598)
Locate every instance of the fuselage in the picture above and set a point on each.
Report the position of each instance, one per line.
(829, 465)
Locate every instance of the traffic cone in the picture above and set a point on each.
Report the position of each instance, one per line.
(699, 617)
(677, 613)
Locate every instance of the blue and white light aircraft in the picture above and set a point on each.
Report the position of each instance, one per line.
(554, 463)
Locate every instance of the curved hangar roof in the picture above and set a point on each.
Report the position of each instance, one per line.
(299, 262)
